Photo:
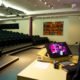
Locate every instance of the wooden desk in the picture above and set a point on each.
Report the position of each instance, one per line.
(42, 71)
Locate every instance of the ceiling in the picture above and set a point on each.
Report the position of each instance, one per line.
(38, 7)
(35, 5)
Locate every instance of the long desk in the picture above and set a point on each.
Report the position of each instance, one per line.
(42, 71)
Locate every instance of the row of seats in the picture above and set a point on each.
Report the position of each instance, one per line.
(39, 40)
(9, 38)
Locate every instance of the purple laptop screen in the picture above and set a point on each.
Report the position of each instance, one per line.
(58, 49)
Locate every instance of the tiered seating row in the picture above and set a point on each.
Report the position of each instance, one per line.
(9, 38)
(39, 40)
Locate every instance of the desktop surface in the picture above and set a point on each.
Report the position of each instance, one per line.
(41, 71)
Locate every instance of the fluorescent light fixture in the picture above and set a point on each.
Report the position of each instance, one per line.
(45, 2)
(52, 7)
(10, 15)
(0, 2)
(73, 5)
(7, 4)
(1, 14)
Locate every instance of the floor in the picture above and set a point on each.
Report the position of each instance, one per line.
(25, 58)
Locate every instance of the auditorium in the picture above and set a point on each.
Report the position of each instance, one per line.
(39, 39)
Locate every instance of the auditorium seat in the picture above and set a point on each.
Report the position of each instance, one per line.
(9, 38)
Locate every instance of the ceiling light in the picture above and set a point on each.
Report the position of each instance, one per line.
(1, 14)
(73, 5)
(45, 2)
(52, 7)
(10, 15)
(2, 4)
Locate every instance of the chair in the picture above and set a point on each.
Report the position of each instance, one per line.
(77, 73)
(74, 74)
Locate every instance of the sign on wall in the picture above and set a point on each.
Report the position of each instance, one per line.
(9, 26)
(53, 28)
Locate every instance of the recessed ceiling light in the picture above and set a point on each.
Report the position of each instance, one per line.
(45, 2)
(2, 14)
(73, 5)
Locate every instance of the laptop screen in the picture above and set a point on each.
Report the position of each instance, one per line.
(58, 49)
